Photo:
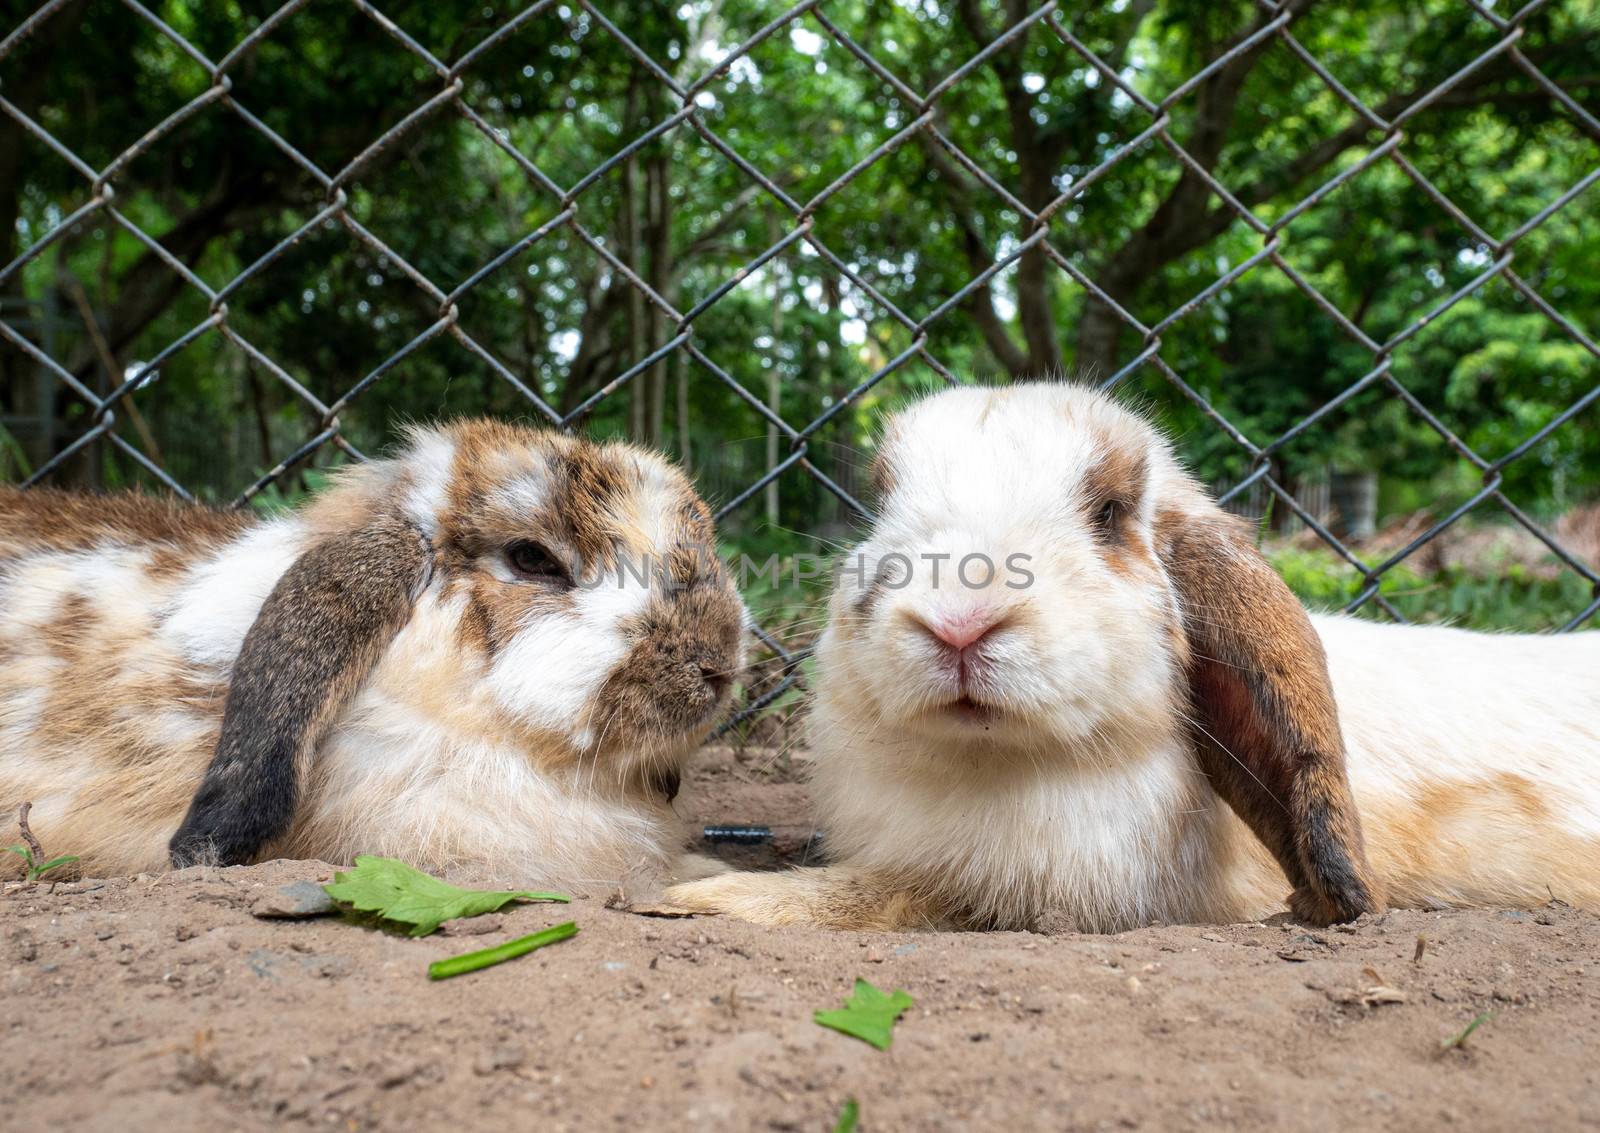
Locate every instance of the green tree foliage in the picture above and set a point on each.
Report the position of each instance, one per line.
(912, 229)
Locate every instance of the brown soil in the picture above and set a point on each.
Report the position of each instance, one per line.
(161, 1003)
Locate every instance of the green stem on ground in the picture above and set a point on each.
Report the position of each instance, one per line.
(500, 953)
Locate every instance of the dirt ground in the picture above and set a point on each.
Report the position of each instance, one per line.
(161, 1002)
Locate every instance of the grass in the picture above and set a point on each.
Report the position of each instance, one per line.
(37, 865)
(1459, 1040)
(37, 869)
(1510, 598)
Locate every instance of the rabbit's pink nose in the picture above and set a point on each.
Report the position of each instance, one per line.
(961, 631)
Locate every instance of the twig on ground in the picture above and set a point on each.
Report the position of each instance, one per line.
(27, 834)
(32, 853)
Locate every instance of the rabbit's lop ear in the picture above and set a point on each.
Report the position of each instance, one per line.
(1266, 723)
(312, 645)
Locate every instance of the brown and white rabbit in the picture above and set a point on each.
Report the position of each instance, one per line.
(1097, 733)
(492, 650)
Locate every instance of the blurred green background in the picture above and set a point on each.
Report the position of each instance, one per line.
(916, 225)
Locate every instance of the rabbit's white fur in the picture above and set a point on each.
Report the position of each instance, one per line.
(1475, 759)
(533, 758)
(1074, 785)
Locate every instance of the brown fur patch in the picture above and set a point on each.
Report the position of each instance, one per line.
(583, 487)
(110, 777)
(883, 478)
(1492, 841)
(88, 707)
(695, 516)
(497, 611)
(474, 628)
(884, 475)
(678, 675)
(1118, 476)
(1118, 481)
(53, 519)
(72, 626)
(593, 483)
(1268, 731)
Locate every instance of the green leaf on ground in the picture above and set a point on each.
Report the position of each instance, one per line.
(868, 1014)
(397, 892)
(849, 1114)
(500, 953)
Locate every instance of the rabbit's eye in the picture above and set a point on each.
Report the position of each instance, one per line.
(531, 561)
(1108, 523)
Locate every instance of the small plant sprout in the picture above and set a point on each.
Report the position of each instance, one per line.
(32, 853)
(1459, 1041)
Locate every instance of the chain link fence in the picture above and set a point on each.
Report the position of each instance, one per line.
(443, 92)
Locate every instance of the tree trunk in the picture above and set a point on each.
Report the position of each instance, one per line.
(27, 393)
(629, 253)
(1183, 221)
(596, 349)
(680, 378)
(658, 185)
(774, 376)
(841, 458)
(1036, 160)
(1098, 331)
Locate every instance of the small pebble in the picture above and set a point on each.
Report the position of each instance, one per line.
(504, 1056)
(472, 926)
(294, 900)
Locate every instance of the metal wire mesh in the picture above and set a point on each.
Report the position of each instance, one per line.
(444, 94)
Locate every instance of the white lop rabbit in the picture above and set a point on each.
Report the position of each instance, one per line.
(1096, 733)
(492, 650)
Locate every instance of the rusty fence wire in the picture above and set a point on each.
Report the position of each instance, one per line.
(445, 95)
